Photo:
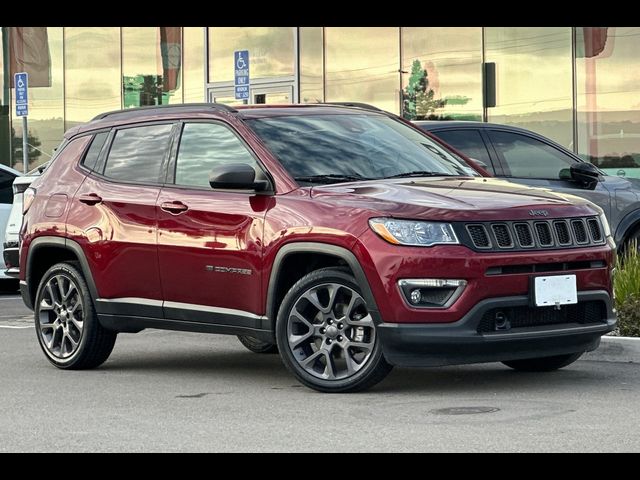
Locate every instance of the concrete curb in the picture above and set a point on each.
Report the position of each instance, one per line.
(616, 349)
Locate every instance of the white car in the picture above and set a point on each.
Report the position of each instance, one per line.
(7, 177)
(11, 227)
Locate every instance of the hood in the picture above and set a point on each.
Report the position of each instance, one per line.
(455, 198)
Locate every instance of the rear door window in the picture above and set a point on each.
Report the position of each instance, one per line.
(137, 153)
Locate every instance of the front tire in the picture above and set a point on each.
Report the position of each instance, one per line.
(326, 335)
(257, 346)
(66, 322)
(543, 364)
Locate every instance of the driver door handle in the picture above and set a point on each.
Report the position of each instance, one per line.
(174, 208)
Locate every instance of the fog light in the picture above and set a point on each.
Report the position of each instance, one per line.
(416, 296)
(431, 292)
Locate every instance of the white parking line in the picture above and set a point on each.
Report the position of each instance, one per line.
(10, 298)
(15, 328)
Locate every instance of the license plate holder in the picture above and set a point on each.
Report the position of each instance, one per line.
(555, 290)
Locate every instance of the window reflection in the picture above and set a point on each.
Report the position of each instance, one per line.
(151, 66)
(193, 56)
(369, 146)
(270, 51)
(311, 65)
(91, 157)
(204, 146)
(607, 88)
(137, 153)
(92, 72)
(534, 81)
(517, 151)
(5, 104)
(442, 73)
(362, 66)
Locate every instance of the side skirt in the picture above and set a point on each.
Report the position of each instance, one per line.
(133, 324)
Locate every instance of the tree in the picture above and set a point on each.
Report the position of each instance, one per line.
(417, 97)
(33, 150)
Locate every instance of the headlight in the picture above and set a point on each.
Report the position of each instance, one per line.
(413, 232)
(605, 225)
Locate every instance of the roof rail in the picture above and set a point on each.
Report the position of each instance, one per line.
(186, 107)
(366, 106)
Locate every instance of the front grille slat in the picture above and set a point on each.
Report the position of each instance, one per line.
(543, 231)
(479, 236)
(580, 232)
(502, 235)
(562, 232)
(594, 229)
(538, 234)
(525, 237)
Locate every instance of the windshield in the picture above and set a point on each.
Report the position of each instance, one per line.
(346, 147)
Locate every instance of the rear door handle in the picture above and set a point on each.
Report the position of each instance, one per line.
(90, 199)
(174, 208)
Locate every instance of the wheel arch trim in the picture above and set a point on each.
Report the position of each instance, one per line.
(324, 249)
(65, 244)
(626, 226)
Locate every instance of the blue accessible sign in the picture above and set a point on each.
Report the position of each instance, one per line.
(21, 84)
(241, 69)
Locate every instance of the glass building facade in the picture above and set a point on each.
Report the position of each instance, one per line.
(576, 85)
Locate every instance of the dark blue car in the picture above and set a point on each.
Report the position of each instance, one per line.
(522, 156)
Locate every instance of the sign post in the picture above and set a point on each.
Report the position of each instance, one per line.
(21, 83)
(241, 69)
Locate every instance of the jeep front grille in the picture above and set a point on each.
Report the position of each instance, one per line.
(532, 234)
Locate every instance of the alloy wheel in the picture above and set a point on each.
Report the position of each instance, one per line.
(330, 332)
(61, 316)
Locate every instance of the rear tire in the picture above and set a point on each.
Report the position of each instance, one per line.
(326, 335)
(257, 346)
(67, 326)
(543, 364)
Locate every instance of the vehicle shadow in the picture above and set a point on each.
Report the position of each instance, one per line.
(268, 369)
(492, 378)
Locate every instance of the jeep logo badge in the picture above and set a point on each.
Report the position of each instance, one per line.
(539, 213)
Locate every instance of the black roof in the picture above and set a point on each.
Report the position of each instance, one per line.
(199, 107)
(177, 108)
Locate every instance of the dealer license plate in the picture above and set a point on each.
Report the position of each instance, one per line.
(555, 290)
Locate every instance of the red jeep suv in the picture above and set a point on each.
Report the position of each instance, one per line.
(339, 235)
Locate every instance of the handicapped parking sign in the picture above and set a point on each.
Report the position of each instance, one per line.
(21, 84)
(241, 69)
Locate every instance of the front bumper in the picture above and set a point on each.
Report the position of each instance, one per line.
(460, 342)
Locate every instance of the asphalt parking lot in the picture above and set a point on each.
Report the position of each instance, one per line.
(167, 391)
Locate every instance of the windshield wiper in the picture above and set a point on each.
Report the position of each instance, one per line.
(330, 178)
(420, 173)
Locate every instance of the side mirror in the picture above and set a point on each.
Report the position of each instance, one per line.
(586, 174)
(480, 163)
(236, 176)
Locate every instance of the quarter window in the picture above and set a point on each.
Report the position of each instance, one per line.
(204, 146)
(136, 153)
(526, 157)
(93, 153)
